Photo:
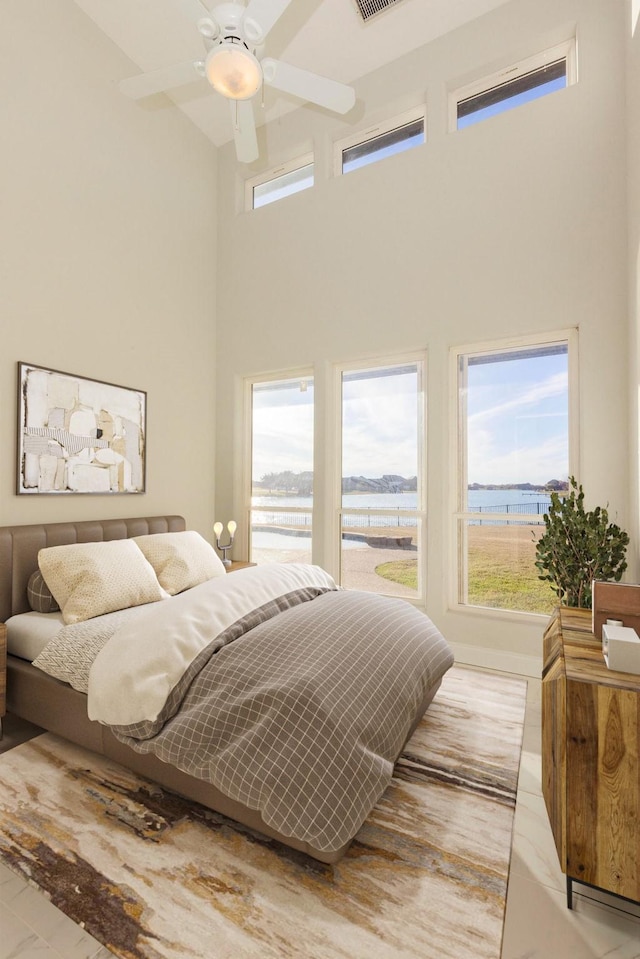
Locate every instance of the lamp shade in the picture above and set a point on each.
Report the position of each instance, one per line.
(233, 70)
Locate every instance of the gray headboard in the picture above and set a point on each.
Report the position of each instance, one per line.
(19, 547)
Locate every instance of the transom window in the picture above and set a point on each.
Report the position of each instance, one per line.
(394, 136)
(282, 181)
(528, 80)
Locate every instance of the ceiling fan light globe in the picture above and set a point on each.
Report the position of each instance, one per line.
(233, 71)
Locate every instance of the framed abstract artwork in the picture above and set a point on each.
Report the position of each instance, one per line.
(77, 435)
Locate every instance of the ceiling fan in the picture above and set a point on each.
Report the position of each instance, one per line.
(233, 36)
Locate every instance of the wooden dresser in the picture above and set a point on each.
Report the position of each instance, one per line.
(590, 758)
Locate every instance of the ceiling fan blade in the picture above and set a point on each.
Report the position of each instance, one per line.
(157, 81)
(260, 16)
(244, 130)
(308, 86)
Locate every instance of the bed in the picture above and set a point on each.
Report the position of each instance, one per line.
(317, 618)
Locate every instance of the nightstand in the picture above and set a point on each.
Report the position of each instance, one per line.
(3, 673)
(239, 564)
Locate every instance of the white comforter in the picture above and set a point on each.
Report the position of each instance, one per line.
(143, 660)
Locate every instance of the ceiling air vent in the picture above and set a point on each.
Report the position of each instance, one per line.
(370, 8)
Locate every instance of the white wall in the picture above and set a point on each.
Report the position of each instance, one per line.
(632, 31)
(515, 226)
(107, 255)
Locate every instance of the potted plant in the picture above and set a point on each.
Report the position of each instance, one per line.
(578, 547)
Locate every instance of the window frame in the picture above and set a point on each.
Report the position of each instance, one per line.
(274, 173)
(458, 450)
(335, 509)
(566, 50)
(373, 132)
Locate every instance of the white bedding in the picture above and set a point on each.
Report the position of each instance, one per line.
(129, 660)
(157, 649)
(69, 655)
(29, 633)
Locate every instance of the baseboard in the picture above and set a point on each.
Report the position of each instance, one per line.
(498, 659)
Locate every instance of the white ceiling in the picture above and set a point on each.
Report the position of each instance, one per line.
(325, 36)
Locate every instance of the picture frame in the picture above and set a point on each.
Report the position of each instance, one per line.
(78, 435)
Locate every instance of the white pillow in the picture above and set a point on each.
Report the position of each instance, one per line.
(89, 579)
(180, 560)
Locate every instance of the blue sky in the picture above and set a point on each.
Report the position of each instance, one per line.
(283, 428)
(516, 101)
(517, 415)
(517, 423)
(379, 427)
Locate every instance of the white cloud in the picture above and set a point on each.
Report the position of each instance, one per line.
(282, 440)
(523, 438)
(380, 436)
(537, 463)
(555, 385)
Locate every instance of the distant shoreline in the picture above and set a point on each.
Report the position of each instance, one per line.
(523, 487)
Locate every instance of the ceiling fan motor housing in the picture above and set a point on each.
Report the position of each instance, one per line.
(230, 20)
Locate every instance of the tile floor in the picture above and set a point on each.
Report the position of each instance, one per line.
(538, 924)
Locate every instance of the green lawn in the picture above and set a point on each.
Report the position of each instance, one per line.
(403, 571)
(501, 574)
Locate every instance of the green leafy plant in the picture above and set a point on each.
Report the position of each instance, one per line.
(578, 547)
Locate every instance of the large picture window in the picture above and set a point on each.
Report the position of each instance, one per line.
(372, 510)
(280, 528)
(381, 512)
(514, 449)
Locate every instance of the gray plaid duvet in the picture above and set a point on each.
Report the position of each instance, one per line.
(302, 708)
(288, 694)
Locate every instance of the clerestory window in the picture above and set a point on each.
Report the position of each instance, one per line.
(280, 182)
(383, 140)
(519, 83)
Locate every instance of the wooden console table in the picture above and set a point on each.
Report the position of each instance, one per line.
(590, 759)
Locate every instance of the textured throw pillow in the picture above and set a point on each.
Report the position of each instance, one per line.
(181, 560)
(39, 595)
(89, 579)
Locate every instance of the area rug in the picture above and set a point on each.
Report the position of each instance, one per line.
(152, 876)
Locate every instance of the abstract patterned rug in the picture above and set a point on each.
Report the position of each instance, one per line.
(153, 876)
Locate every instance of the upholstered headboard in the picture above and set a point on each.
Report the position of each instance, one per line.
(19, 547)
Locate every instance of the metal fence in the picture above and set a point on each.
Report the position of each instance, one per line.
(529, 509)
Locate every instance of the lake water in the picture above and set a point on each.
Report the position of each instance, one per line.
(478, 499)
(490, 501)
